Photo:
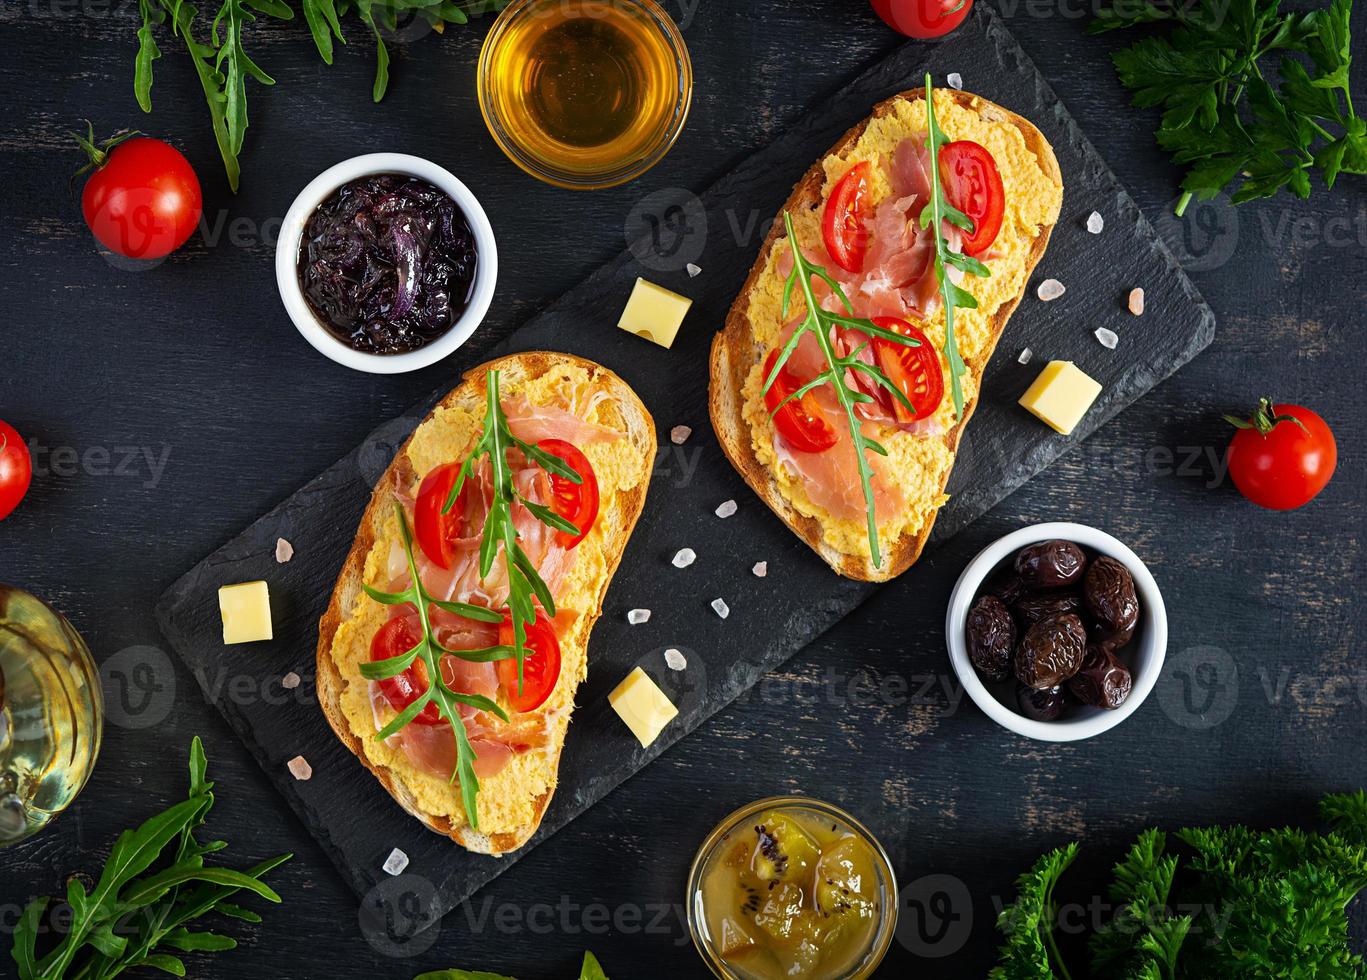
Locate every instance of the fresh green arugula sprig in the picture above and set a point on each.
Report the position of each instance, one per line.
(590, 970)
(525, 584)
(136, 916)
(224, 66)
(1223, 118)
(1272, 903)
(936, 211)
(430, 652)
(819, 323)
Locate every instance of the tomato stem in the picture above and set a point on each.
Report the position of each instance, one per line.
(1264, 418)
(98, 155)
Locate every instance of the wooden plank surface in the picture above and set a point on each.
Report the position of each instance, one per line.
(192, 364)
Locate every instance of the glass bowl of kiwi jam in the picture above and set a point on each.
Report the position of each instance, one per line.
(584, 94)
(791, 887)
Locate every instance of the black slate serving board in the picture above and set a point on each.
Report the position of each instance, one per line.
(771, 618)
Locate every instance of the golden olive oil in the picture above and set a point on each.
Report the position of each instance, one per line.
(585, 86)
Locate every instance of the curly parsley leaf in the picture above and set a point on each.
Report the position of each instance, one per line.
(1030, 951)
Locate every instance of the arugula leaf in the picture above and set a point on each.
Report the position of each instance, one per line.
(591, 970)
(1030, 951)
(819, 323)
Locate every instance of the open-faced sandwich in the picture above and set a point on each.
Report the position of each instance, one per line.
(849, 366)
(482, 560)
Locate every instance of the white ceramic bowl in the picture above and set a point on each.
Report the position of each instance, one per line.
(287, 259)
(1144, 654)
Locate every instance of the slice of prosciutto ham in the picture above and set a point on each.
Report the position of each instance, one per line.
(432, 748)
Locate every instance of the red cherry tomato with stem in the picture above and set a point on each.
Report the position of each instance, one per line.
(576, 502)
(843, 221)
(916, 371)
(540, 668)
(1282, 456)
(799, 421)
(923, 18)
(143, 198)
(974, 186)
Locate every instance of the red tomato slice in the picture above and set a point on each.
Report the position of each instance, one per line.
(799, 422)
(576, 502)
(397, 636)
(436, 532)
(842, 222)
(540, 668)
(974, 186)
(915, 371)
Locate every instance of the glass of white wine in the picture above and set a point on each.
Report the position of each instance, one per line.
(51, 714)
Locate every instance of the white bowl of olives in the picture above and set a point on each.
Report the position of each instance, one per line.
(1057, 631)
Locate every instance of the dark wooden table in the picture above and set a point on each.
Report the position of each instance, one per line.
(168, 408)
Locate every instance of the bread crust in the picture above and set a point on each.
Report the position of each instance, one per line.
(735, 351)
(399, 475)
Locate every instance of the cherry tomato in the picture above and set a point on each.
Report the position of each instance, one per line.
(843, 221)
(1282, 456)
(143, 199)
(399, 635)
(923, 18)
(437, 532)
(915, 371)
(799, 422)
(576, 502)
(540, 668)
(974, 186)
(16, 469)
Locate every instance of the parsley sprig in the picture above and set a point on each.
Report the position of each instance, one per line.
(525, 585)
(936, 211)
(154, 886)
(1224, 119)
(819, 323)
(427, 649)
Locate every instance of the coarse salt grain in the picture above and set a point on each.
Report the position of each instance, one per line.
(684, 557)
(675, 660)
(1050, 289)
(760, 569)
(693, 270)
(638, 616)
(1136, 301)
(284, 551)
(1095, 223)
(954, 80)
(290, 681)
(1025, 356)
(396, 862)
(679, 434)
(299, 768)
(726, 508)
(1107, 338)
(720, 607)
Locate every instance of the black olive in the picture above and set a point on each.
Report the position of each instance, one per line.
(1051, 651)
(991, 636)
(1005, 584)
(1109, 592)
(1109, 640)
(1050, 564)
(1103, 681)
(1031, 608)
(1044, 705)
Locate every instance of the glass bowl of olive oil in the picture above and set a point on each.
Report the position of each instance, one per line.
(51, 714)
(585, 94)
(791, 888)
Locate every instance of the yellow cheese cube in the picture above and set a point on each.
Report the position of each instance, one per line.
(1061, 395)
(654, 313)
(246, 609)
(642, 705)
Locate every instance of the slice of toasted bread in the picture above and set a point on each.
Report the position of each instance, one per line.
(513, 801)
(736, 351)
